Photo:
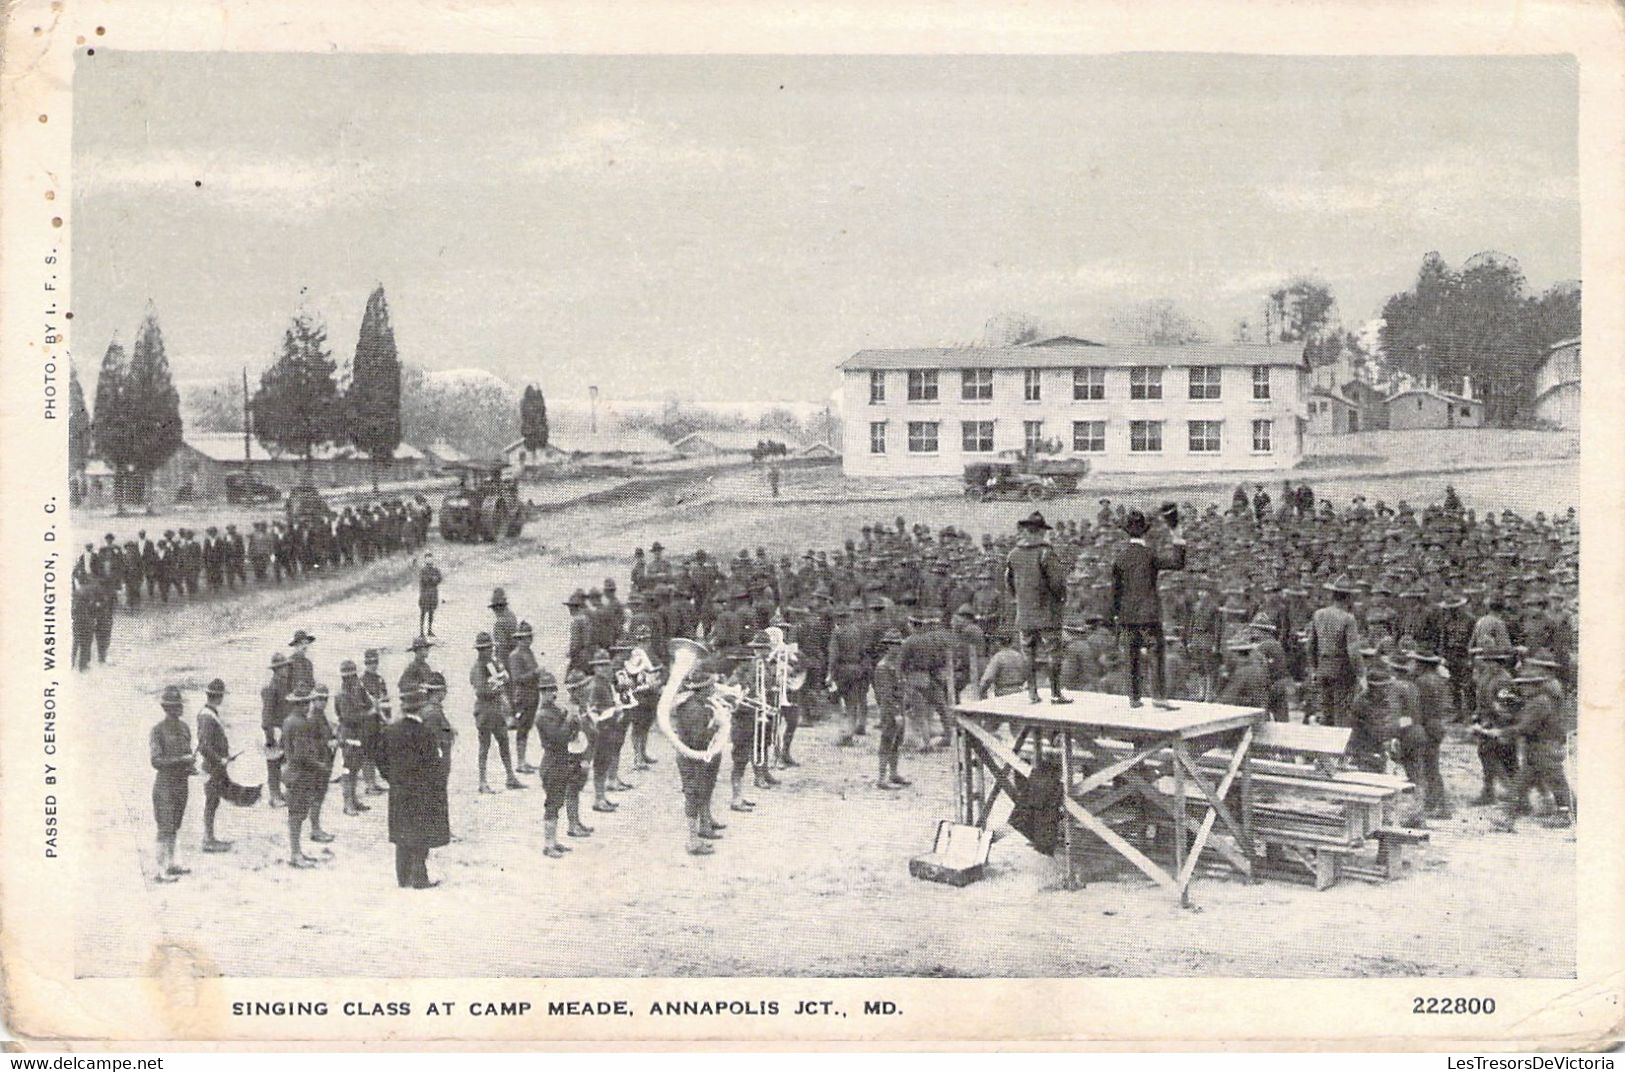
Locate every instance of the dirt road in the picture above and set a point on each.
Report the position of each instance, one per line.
(814, 883)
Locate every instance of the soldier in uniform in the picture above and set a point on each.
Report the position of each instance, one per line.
(1536, 700)
(105, 603)
(130, 575)
(1335, 655)
(1205, 637)
(848, 672)
(1373, 722)
(1007, 670)
(214, 750)
(579, 650)
(307, 739)
(742, 732)
(1037, 583)
(260, 547)
(418, 671)
(301, 674)
(378, 692)
(606, 753)
(890, 701)
(523, 674)
(419, 813)
(643, 715)
(562, 773)
(694, 723)
(1497, 753)
(86, 596)
(1136, 606)
(491, 709)
(149, 563)
(431, 701)
(429, 578)
(503, 625)
(170, 747)
(214, 558)
(1433, 713)
(354, 709)
(274, 711)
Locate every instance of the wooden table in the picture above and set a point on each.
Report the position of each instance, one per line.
(1109, 753)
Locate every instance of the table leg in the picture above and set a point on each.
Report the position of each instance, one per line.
(1179, 822)
(962, 802)
(1070, 875)
(1246, 776)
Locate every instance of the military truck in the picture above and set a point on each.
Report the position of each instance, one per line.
(1015, 474)
(484, 507)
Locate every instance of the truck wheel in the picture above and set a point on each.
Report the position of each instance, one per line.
(1032, 492)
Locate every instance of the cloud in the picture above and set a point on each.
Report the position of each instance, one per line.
(1431, 187)
(258, 182)
(617, 145)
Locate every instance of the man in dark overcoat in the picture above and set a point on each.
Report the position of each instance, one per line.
(419, 813)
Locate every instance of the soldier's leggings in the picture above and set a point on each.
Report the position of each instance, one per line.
(891, 738)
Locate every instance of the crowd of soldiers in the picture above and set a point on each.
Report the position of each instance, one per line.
(1393, 621)
(185, 564)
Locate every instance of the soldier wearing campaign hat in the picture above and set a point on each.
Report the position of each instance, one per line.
(354, 708)
(170, 747)
(1497, 753)
(214, 752)
(1533, 703)
(523, 674)
(492, 711)
(274, 711)
(1035, 580)
(307, 739)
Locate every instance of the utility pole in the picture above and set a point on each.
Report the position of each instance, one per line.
(592, 393)
(248, 429)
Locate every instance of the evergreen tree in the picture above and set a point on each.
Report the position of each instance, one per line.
(297, 406)
(533, 418)
(373, 402)
(150, 405)
(108, 431)
(78, 423)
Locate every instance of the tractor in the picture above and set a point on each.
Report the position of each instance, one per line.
(484, 506)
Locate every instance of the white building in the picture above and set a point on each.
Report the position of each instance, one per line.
(1133, 408)
(1557, 385)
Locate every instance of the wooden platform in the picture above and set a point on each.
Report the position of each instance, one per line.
(1113, 756)
(1109, 713)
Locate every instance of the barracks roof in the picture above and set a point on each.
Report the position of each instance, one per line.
(228, 447)
(1068, 356)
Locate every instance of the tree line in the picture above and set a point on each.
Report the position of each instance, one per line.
(304, 401)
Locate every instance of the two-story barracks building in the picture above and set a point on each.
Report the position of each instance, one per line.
(1125, 408)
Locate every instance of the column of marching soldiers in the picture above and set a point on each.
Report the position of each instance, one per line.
(186, 564)
(1408, 626)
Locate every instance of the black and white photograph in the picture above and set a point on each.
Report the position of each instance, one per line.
(824, 516)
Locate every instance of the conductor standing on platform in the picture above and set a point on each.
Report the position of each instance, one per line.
(1036, 580)
(1136, 605)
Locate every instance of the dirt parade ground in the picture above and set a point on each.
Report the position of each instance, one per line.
(629, 901)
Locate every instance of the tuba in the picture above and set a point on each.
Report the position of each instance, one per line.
(685, 655)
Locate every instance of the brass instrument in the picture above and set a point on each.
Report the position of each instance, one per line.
(785, 657)
(764, 742)
(685, 654)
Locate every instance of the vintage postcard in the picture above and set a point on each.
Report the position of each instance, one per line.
(1045, 524)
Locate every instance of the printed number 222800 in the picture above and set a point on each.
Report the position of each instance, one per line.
(1455, 1006)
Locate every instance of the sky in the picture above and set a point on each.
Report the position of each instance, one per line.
(734, 227)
